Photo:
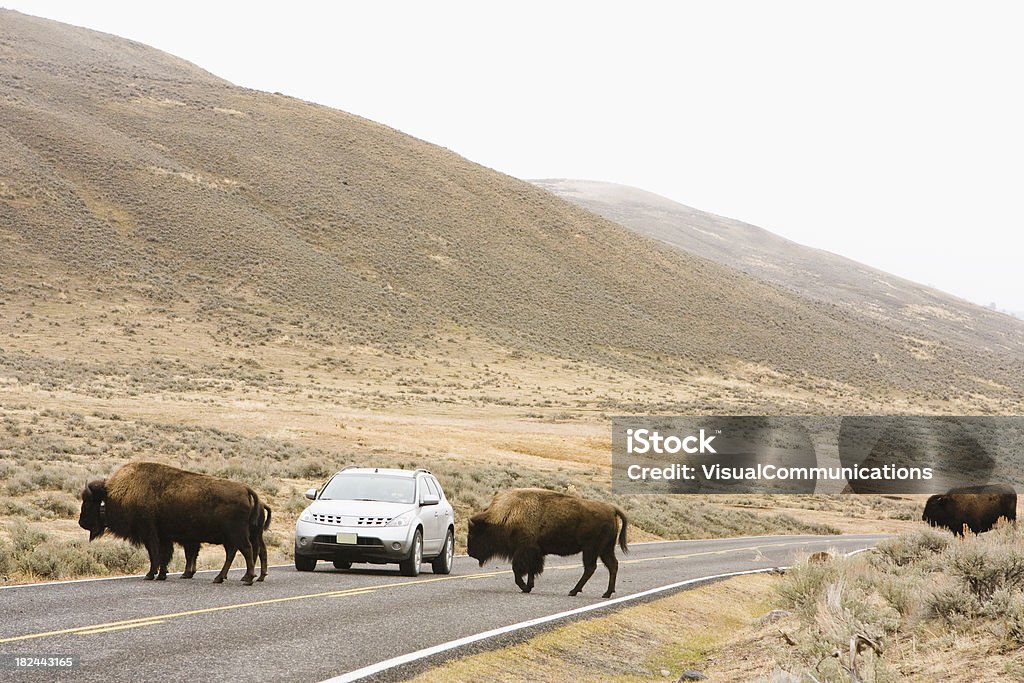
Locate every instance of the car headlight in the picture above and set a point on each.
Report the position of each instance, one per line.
(306, 516)
(404, 519)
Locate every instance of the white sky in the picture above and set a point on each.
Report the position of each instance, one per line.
(891, 133)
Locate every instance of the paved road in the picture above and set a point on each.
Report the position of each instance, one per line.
(308, 627)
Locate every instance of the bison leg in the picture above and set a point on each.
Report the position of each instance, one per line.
(154, 549)
(191, 553)
(527, 561)
(241, 543)
(229, 553)
(250, 565)
(589, 565)
(612, 562)
(263, 560)
(518, 570)
(166, 553)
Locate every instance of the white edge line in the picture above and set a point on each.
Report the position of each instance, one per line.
(279, 566)
(452, 644)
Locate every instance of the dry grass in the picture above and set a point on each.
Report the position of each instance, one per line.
(936, 607)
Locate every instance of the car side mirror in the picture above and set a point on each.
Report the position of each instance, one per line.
(430, 499)
(311, 494)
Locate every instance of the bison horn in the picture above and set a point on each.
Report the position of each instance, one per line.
(97, 490)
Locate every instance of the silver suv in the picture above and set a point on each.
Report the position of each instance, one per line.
(377, 515)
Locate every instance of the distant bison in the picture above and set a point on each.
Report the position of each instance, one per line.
(976, 507)
(256, 538)
(524, 525)
(155, 506)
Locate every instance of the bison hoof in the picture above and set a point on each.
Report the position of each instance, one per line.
(247, 581)
(150, 577)
(262, 577)
(161, 577)
(218, 579)
(607, 595)
(573, 593)
(188, 575)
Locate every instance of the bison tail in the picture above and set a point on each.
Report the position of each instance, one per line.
(266, 524)
(255, 511)
(622, 532)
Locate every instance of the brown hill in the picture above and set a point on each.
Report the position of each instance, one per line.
(131, 175)
(815, 273)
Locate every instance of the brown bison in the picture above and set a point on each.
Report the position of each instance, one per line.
(976, 507)
(524, 525)
(259, 546)
(156, 506)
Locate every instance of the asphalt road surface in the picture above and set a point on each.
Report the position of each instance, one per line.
(313, 626)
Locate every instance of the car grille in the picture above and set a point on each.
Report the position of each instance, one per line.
(372, 521)
(349, 520)
(361, 540)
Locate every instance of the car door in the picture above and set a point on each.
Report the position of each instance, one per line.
(432, 517)
(446, 514)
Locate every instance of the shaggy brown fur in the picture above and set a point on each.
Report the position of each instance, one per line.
(524, 525)
(976, 507)
(155, 506)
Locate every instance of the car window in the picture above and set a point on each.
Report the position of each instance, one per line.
(439, 490)
(430, 487)
(377, 487)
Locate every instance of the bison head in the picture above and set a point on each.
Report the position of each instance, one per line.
(940, 511)
(479, 541)
(93, 517)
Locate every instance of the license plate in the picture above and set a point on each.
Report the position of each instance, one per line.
(347, 539)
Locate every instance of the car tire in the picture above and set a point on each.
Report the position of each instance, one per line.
(338, 564)
(442, 564)
(305, 564)
(411, 566)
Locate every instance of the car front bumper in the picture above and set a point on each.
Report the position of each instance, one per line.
(378, 544)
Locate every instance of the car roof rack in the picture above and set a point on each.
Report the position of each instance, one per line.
(423, 469)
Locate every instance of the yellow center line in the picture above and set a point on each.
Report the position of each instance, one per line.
(361, 591)
(119, 628)
(221, 608)
(146, 621)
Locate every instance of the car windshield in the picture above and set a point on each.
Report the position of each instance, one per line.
(378, 487)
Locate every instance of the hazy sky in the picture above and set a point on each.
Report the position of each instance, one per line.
(892, 133)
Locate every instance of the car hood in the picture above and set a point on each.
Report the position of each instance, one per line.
(358, 508)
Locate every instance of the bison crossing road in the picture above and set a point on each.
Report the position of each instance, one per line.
(156, 506)
(524, 525)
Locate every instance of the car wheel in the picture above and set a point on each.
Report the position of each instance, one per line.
(338, 564)
(442, 564)
(411, 566)
(305, 564)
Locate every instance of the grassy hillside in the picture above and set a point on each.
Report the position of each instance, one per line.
(133, 172)
(933, 318)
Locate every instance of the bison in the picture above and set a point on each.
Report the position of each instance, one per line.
(976, 507)
(156, 506)
(524, 525)
(262, 524)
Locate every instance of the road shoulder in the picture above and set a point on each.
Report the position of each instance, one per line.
(673, 634)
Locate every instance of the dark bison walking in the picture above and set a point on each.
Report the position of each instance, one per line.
(256, 539)
(977, 507)
(524, 525)
(156, 506)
